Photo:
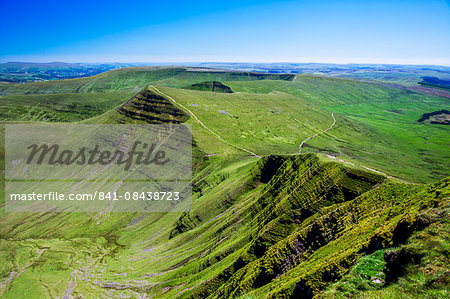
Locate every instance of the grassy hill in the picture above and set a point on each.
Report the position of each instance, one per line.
(20, 72)
(59, 107)
(276, 224)
(435, 82)
(214, 86)
(386, 117)
(134, 79)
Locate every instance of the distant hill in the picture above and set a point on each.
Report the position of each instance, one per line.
(214, 86)
(435, 82)
(22, 72)
(12, 65)
(136, 78)
(405, 74)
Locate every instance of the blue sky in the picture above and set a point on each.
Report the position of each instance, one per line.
(339, 31)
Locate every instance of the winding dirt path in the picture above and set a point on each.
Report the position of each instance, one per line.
(334, 157)
(202, 124)
(252, 153)
(310, 137)
(365, 167)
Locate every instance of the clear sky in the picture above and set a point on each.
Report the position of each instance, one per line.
(339, 31)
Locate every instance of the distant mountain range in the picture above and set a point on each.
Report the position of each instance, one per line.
(21, 72)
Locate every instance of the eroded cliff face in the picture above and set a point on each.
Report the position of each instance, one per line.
(310, 221)
(149, 107)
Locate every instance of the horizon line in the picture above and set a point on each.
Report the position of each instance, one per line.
(148, 63)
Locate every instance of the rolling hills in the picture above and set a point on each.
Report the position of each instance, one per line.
(20, 72)
(276, 224)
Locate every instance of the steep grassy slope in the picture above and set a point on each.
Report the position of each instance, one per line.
(418, 269)
(380, 218)
(62, 107)
(144, 107)
(280, 227)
